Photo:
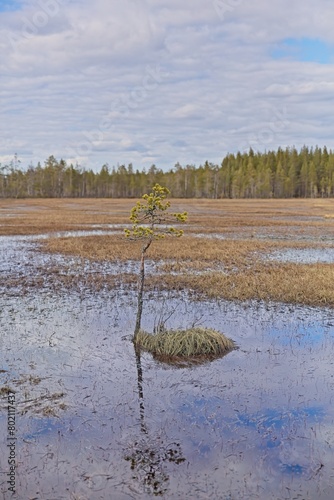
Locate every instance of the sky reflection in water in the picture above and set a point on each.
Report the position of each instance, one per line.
(256, 424)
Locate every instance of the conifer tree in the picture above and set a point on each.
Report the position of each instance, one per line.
(151, 221)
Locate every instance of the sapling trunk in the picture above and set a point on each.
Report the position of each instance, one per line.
(141, 281)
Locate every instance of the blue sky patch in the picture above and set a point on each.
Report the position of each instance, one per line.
(9, 5)
(304, 50)
(302, 336)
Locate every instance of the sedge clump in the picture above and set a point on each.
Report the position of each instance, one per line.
(189, 343)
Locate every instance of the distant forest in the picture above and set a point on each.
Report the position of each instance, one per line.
(308, 173)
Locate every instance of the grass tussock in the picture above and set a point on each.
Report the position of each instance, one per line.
(185, 344)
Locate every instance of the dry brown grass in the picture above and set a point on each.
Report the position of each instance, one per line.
(191, 343)
(195, 250)
(41, 216)
(223, 216)
(235, 270)
(179, 255)
(223, 268)
(310, 284)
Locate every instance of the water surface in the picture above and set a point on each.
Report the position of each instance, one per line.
(94, 422)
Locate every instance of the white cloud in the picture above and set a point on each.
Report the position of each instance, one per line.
(322, 89)
(187, 111)
(77, 82)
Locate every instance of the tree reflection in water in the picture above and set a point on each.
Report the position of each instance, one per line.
(149, 456)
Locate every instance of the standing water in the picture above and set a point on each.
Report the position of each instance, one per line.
(93, 421)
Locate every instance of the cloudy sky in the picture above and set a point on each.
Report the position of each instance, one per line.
(162, 81)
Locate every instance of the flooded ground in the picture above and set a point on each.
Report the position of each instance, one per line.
(95, 422)
(305, 255)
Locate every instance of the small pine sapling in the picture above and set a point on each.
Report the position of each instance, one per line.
(151, 219)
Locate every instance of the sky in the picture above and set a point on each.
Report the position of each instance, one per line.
(163, 81)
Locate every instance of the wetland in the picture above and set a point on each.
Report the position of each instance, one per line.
(96, 421)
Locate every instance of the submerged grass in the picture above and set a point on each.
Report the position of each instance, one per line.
(191, 343)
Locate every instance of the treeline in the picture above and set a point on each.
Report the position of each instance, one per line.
(288, 173)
